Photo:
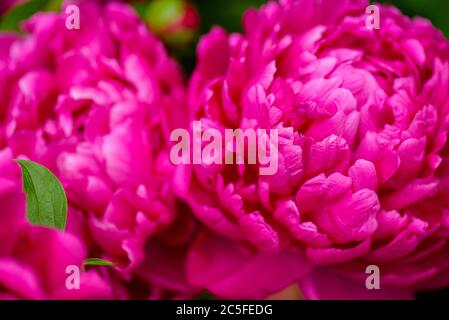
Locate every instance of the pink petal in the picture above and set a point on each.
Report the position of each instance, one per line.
(324, 284)
(231, 271)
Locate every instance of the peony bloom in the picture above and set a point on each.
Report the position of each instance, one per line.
(91, 104)
(363, 175)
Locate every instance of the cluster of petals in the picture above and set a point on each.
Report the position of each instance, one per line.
(362, 116)
(95, 105)
(363, 178)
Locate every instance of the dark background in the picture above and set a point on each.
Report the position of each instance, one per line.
(228, 13)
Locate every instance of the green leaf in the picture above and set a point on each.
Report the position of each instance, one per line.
(45, 196)
(97, 262)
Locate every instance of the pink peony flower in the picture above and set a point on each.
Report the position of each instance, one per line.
(92, 105)
(363, 173)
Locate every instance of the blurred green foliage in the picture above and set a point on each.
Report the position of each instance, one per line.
(436, 11)
(11, 20)
(228, 13)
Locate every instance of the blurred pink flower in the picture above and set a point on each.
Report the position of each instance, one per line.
(363, 171)
(33, 260)
(92, 105)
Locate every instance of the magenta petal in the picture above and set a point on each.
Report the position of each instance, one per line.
(12, 214)
(63, 249)
(92, 287)
(324, 284)
(363, 175)
(259, 232)
(231, 271)
(127, 154)
(353, 218)
(327, 256)
(19, 281)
